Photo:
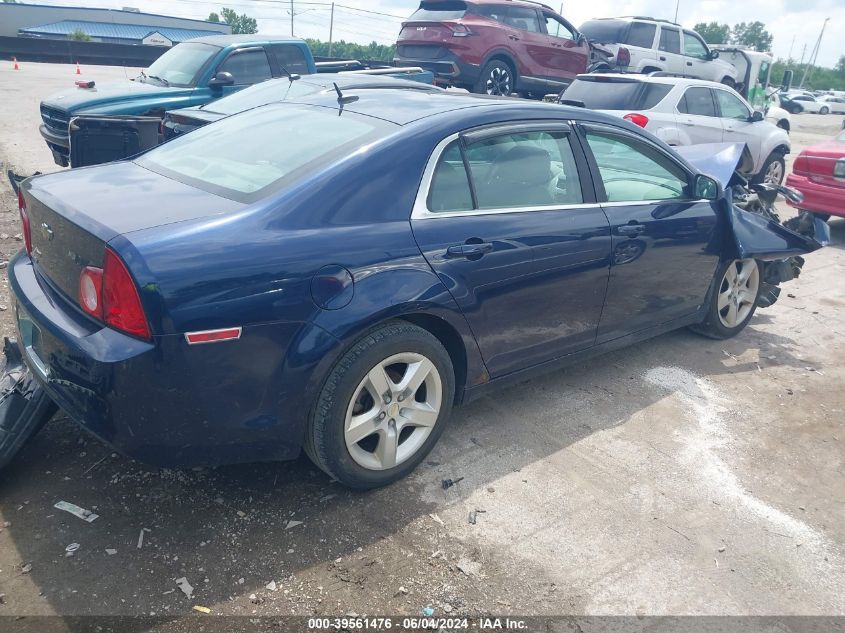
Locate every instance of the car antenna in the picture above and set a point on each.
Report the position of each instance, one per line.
(341, 99)
(291, 76)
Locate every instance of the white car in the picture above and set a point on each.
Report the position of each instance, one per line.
(836, 104)
(660, 46)
(687, 112)
(810, 104)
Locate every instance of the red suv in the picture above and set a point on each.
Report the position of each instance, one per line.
(499, 46)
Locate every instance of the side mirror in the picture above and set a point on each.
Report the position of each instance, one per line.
(222, 79)
(786, 84)
(714, 54)
(705, 188)
(756, 117)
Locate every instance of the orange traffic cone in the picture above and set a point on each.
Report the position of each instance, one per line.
(78, 72)
(16, 67)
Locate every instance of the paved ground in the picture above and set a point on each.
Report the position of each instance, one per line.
(679, 476)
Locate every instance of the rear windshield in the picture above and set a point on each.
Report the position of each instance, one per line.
(605, 31)
(439, 11)
(262, 94)
(602, 94)
(276, 144)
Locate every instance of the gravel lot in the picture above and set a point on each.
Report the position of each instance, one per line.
(678, 476)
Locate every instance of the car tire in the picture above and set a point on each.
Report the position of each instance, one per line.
(733, 299)
(384, 358)
(796, 108)
(496, 78)
(824, 110)
(773, 170)
(784, 125)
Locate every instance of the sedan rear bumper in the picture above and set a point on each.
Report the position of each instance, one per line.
(818, 197)
(161, 402)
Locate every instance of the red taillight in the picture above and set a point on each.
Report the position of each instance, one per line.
(623, 56)
(121, 302)
(91, 291)
(459, 30)
(801, 166)
(27, 231)
(637, 119)
(110, 295)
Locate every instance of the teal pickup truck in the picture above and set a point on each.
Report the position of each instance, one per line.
(190, 74)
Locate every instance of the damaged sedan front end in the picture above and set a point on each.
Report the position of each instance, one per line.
(755, 228)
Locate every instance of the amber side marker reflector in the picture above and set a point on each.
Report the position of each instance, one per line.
(213, 336)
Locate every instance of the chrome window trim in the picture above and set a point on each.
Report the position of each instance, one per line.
(421, 211)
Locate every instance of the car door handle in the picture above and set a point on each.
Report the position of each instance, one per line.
(631, 230)
(689, 63)
(663, 59)
(469, 250)
(513, 37)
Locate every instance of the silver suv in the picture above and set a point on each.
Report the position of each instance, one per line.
(658, 45)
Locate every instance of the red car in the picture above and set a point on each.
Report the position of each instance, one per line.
(819, 173)
(500, 46)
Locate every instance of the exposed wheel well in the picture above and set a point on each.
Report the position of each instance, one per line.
(783, 124)
(502, 57)
(450, 339)
(728, 81)
(783, 150)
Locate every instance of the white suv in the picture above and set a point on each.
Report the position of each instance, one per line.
(658, 45)
(687, 112)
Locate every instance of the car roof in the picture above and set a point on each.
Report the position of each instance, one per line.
(351, 81)
(656, 79)
(518, 3)
(230, 40)
(404, 107)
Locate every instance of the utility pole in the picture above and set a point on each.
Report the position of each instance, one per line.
(331, 32)
(291, 18)
(814, 55)
(789, 59)
(677, 6)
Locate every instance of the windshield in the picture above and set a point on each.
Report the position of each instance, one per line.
(262, 94)
(276, 144)
(606, 31)
(604, 94)
(179, 66)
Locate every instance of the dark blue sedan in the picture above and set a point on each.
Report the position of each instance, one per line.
(337, 274)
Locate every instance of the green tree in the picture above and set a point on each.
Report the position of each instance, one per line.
(240, 23)
(10, 1)
(753, 34)
(78, 35)
(350, 50)
(213, 17)
(713, 33)
(840, 66)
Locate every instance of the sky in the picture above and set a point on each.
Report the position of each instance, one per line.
(793, 23)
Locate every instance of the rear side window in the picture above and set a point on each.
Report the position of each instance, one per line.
(641, 34)
(256, 162)
(290, 57)
(698, 101)
(617, 94)
(523, 19)
(247, 67)
(450, 187)
(606, 31)
(433, 11)
(670, 40)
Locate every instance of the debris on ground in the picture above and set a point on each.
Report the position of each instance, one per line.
(271, 586)
(202, 609)
(436, 519)
(2, 598)
(428, 612)
(402, 591)
(448, 483)
(141, 537)
(75, 510)
(185, 586)
(26, 568)
(70, 549)
(468, 567)
(292, 524)
(110, 551)
(473, 516)
(255, 599)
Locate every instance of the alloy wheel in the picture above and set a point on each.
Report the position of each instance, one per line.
(499, 81)
(774, 173)
(738, 292)
(393, 411)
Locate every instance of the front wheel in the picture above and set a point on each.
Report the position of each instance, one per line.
(733, 299)
(824, 110)
(773, 170)
(497, 78)
(383, 407)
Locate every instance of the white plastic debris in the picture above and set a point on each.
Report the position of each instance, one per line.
(272, 586)
(70, 549)
(185, 586)
(75, 510)
(292, 524)
(110, 551)
(141, 538)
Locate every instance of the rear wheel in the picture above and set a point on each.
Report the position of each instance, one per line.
(497, 78)
(383, 407)
(733, 299)
(824, 110)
